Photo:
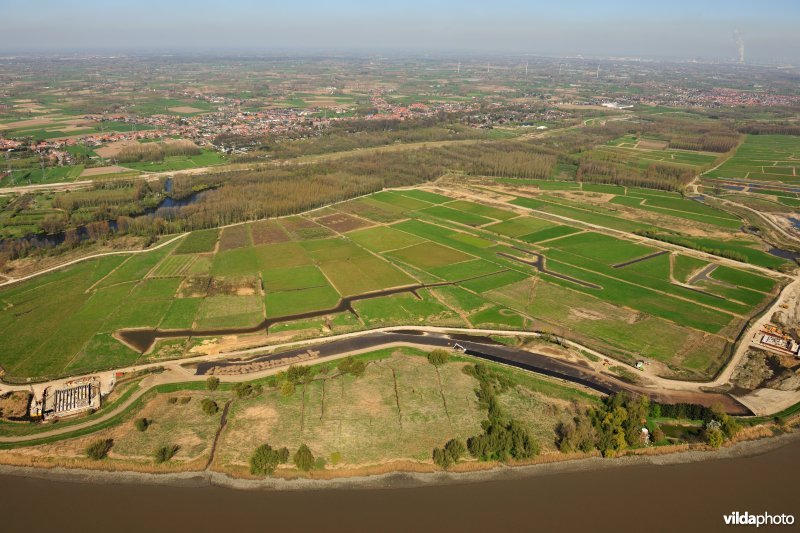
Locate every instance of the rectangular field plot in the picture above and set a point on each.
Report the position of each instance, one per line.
(290, 279)
(399, 200)
(234, 237)
(342, 222)
(426, 196)
(383, 238)
(301, 301)
(601, 248)
(405, 309)
(427, 255)
(519, 226)
(174, 266)
(494, 281)
(181, 313)
(372, 209)
(482, 210)
(454, 215)
(138, 314)
(460, 299)
(235, 262)
(135, 267)
(155, 289)
(229, 311)
(466, 269)
(198, 242)
(281, 255)
(267, 232)
(301, 228)
(740, 278)
(353, 270)
(552, 232)
(102, 351)
(470, 240)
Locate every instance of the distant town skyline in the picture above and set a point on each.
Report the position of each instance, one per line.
(677, 29)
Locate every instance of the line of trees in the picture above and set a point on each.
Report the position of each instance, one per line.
(656, 176)
(157, 151)
(709, 142)
(770, 129)
(687, 243)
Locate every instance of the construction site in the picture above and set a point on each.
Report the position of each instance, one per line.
(68, 399)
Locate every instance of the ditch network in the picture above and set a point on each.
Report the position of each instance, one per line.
(765, 519)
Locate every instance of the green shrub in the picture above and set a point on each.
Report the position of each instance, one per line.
(209, 406)
(165, 453)
(99, 449)
(142, 424)
(714, 437)
(299, 374)
(303, 458)
(438, 357)
(247, 390)
(212, 383)
(287, 388)
(440, 458)
(352, 367)
(448, 455)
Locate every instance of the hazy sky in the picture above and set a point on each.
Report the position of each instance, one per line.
(673, 28)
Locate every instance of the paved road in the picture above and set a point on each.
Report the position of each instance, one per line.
(484, 348)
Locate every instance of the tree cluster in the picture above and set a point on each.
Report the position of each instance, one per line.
(503, 438)
(450, 453)
(352, 367)
(614, 425)
(265, 459)
(156, 151)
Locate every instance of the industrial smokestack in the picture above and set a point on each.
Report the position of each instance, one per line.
(737, 36)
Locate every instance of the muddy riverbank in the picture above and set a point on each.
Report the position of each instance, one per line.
(751, 476)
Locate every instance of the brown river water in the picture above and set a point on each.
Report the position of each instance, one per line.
(639, 498)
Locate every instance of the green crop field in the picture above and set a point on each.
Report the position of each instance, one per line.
(428, 255)
(763, 158)
(454, 215)
(519, 226)
(199, 241)
(482, 210)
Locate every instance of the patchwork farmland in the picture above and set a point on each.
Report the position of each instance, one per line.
(481, 265)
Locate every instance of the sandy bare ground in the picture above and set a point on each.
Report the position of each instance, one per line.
(97, 171)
